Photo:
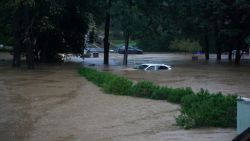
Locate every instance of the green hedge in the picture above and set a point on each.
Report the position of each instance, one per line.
(110, 83)
(206, 109)
(143, 89)
(197, 109)
(118, 85)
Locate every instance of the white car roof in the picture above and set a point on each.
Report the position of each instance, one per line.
(149, 64)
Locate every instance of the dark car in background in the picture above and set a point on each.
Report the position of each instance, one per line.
(131, 50)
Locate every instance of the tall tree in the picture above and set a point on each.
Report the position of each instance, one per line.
(125, 14)
(21, 30)
(45, 28)
(238, 18)
(106, 34)
(127, 34)
(5, 23)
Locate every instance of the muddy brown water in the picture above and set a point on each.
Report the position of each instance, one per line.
(54, 103)
(215, 78)
(224, 76)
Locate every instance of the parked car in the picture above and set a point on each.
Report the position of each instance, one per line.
(153, 67)
(241, 52)
(95, 49)
(113, 50)
(131, 50)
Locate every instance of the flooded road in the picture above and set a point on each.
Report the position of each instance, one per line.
(215, 76)
(26, 96)
(54, 103)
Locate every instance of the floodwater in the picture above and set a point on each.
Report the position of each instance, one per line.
(54, 103)
(214, 76)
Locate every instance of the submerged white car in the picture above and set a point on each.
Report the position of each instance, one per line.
(153, 67)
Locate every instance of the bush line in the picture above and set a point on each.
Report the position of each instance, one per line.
(201, 109)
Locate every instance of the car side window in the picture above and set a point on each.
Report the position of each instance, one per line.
(142, 67)
(162, 68)
(151, 68)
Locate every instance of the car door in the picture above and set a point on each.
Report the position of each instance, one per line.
(162, 67)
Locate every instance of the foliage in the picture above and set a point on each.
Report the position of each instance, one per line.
(185, 45)
(5, 23)
(59, 25)
(120, 43)
(213, 23)
(206, 109)
(197, 109)
(110, 83)
(125, 16)
(176, 95)
(118, 85)
(143, 89)
(99, 78)
(91, 36)
(161, 93)
(155, 43)
(185, 121)
(47, 28)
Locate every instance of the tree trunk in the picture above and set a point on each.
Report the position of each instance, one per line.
(106, 35)
(206, 46)
(218, 55)
(29, 54)
(127, 36)
(238, 48)
(27, 38)
(237, 57)
(125, 57)
(231, 42)
(44, 43)
(217, 41)
(17, 28)
(230, 55)
(17, 52)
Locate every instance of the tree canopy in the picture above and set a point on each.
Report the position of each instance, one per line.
(43, 28)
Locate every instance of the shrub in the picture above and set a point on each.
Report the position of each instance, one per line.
(205, 109)
(161, 93)
(197, 109)
(109, 82)
(175, 95)
(118, 85)
(98, 78)
(185, 121)
(143, 89)
(102, 78)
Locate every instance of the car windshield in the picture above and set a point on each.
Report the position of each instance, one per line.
(141, 67)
